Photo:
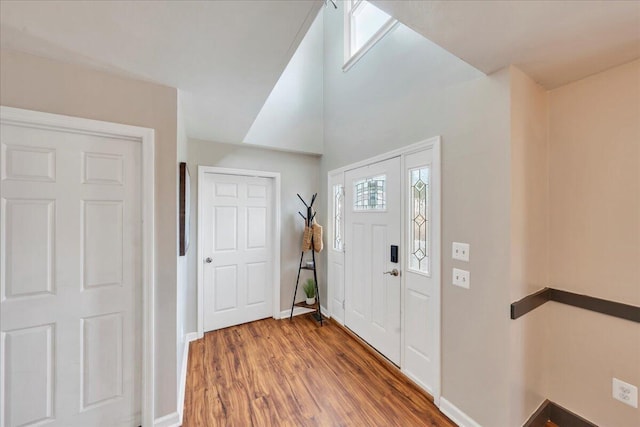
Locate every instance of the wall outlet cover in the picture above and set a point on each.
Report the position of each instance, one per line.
(625, 392)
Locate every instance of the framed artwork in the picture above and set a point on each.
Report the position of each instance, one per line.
(184, 208)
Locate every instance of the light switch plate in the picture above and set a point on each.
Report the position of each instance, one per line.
(461, 278)
(460, 251)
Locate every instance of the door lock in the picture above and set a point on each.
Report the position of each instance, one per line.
(393, 272)
(208, 260)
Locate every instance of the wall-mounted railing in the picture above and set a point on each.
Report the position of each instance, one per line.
(611, 308)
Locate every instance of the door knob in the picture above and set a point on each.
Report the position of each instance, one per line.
(208, 260)
(393, 272)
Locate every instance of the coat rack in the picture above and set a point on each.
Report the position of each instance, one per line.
(308, 221)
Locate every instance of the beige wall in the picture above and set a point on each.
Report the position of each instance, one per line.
(35, 83)
(299, 173)
(594, 164)
(529, 242)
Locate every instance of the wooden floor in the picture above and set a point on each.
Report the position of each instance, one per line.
(281, 373)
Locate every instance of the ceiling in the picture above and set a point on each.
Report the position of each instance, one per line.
(224, 56)
(554, 42)
(227, 56)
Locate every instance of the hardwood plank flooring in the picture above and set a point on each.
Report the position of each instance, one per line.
(282, 373)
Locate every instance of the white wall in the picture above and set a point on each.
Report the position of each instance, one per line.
(407, 89)
(300, 173)
(291, 118)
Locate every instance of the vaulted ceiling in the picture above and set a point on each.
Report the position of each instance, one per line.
(227, 56)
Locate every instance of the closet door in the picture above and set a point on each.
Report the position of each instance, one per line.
(238, 249)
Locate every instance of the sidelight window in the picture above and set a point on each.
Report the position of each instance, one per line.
(338, 210)
(419, 220)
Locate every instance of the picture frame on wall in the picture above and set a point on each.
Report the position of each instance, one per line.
(184, 208)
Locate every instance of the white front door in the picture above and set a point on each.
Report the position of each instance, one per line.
(237, 249)
(70, 279)
(372, 226)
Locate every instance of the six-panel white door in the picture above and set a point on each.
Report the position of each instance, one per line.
(70, 279)
(238, 249)
(372, 225)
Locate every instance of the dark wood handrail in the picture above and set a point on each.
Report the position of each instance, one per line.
(599, 305)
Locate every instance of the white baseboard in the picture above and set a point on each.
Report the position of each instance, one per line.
(302, 310)
(170, 420)
(456, 415)
(325, 312)
(191, 336)
(297, 311)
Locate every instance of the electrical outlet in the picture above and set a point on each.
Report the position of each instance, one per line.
(625, 392)
(461, 278)
(460, 251)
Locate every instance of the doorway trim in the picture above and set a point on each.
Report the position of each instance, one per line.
(275, 176)
(145, 136)
(432, 143)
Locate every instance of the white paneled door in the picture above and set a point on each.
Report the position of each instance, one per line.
(372, 226)
(237, 249)
(70, 279)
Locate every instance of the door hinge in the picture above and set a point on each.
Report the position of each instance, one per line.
(343, 304)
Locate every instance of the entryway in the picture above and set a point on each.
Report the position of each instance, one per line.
(74, 253)
(238, 246)
(384, 257)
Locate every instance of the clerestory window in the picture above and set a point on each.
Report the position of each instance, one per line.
(364, 26)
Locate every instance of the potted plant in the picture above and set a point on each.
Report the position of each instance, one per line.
(309, 289)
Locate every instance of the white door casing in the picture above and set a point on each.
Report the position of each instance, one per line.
(76, 271)
(420, 292)
(372, 297)
(238, 240)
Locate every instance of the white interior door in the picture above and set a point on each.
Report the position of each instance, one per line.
(238, 249)
(422, 270)
(70, 279)
(372, 298)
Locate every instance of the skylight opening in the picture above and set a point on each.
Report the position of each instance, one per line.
(364, 26)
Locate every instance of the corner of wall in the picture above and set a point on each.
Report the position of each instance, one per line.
(529, 241)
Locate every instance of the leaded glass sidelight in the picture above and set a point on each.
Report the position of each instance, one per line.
(338, 210)
(370, 194)
(419, 220)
